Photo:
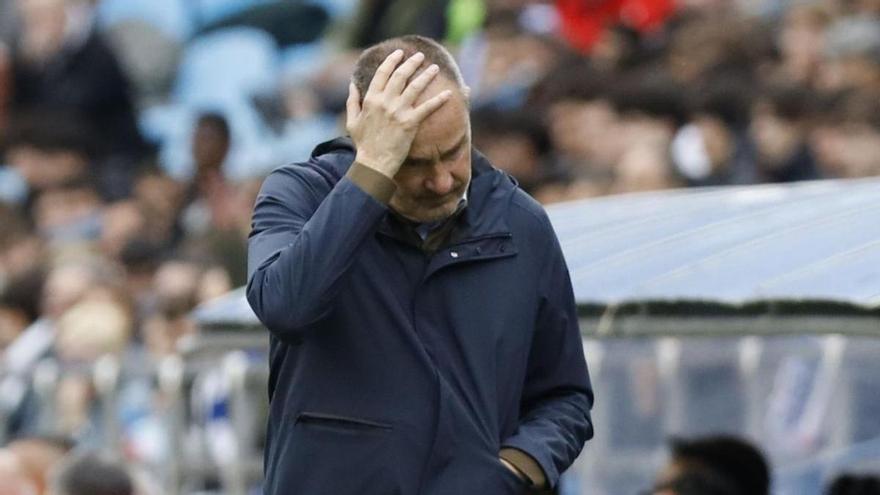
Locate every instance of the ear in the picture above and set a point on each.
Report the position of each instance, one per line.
(466, 92)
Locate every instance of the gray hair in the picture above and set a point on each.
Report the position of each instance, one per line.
(91, 473)
(434, 52)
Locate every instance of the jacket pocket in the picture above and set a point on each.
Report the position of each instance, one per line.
(512, 481)
(336, 421)
(337, 455)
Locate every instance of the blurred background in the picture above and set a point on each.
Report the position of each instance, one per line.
(134, 136)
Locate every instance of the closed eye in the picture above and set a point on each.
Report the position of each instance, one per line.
(453, 153)
(447, 155)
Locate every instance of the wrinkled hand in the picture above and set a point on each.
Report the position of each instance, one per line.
(383, 127)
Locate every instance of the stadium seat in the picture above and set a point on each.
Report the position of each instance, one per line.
(171, 16)
(226, 66)
(210, 11)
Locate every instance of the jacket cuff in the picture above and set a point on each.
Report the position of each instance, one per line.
(375, 184)
(525, 464)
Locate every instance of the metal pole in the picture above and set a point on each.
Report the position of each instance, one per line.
(171, 374)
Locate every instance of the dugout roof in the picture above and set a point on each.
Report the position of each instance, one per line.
(799, 258)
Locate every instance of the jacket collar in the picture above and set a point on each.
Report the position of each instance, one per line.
(489, 195)
(484, 216)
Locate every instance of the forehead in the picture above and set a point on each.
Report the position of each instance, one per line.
(442, 129)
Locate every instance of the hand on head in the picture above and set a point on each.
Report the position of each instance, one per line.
(384, 125)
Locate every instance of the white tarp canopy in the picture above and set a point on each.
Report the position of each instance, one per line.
(811, 247)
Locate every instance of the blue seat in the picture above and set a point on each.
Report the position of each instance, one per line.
(225, 66)
(210, 11)
(338, 9)
(172, 17)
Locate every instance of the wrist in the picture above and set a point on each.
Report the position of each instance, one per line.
(517, 471)
(526, 464)
(385, 167)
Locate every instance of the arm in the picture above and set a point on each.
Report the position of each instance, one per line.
(305, 234)
(297, 254)
(557, 396)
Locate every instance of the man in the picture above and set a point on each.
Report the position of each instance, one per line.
(13, 478)
(424, 335)
(38, 455)
(91, 473)
(719, 464)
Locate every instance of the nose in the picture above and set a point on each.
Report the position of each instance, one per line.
(440, 180)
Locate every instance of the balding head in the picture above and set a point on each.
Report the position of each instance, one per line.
(91, 473)
(434, 52)
(13, 480)
(37, 456)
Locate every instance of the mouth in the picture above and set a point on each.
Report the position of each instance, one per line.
(437, 200)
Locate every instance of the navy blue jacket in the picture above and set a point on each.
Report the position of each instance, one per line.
(396, 371)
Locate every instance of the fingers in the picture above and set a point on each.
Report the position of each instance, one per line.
(398, 79)
(380, 79)
(418, 85)
(352, 104)
(422, 111)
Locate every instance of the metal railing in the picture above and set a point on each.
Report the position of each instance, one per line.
(807, 400)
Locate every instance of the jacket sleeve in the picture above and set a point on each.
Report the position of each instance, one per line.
(557, 396)
(303, 240)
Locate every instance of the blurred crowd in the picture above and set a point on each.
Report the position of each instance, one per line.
(134, 135)
(729, 465)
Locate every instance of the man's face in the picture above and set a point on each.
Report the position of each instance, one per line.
(209, 146)
(775, 137)
(437, 171)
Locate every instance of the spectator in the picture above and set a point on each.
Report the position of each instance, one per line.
(210, 145)
(179, 285)
(852, 55)
(21, 250)
(91, 329)
(209, 194)
(161, 198)
(512, 60)
(19, 306)
(91, 473)
(68, 213)
(801, 42)
(13, 480)
(578, 110)
(695, 484)
(62, 63)
(49, 149)
(583, 23)
(66, 284)
(704, 44)
(121, 223)
(722, 152)
(651, 107)
(516, 141)
(848, 484)
(377, 20)
(23, 343)
(140, 259)
(779, 129)
(38, 455)
(847, 135)
(722, 461)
